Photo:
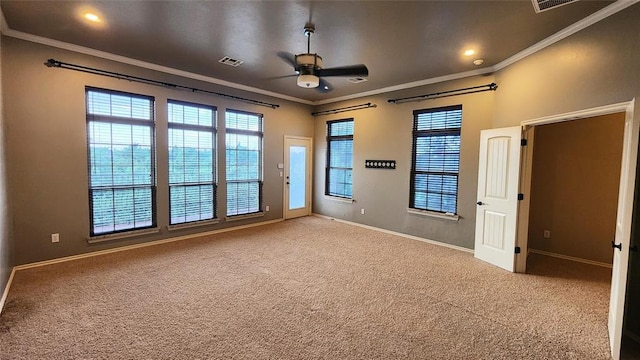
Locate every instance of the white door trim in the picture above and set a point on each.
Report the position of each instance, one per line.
(624, 212)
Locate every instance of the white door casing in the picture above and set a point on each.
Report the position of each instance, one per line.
(497, 208)
(624, 211)
(297, 176)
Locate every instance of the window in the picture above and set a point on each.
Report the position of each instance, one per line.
(244, 162)
(339, 158)
(122, 184)
(436, 159)
(192, 187)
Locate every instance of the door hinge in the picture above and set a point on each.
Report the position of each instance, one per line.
(517, 249)
(520, 196)
(523, 142)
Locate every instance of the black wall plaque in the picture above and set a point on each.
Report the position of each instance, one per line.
(380, 164)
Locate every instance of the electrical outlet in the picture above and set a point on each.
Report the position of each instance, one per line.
(361, 211)
(547, 234)
(266, 208)
(55, 238)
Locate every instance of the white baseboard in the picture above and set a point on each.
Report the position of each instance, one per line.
(122, 248)
(433, 242)
(5, 293)
(570, 258)
(137, 246)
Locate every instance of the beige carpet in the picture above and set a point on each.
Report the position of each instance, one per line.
(309, 288)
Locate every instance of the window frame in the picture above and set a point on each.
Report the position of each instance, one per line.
(416, 134)
(260, 179)
(111, 119)
(199, 128)
(328, 167)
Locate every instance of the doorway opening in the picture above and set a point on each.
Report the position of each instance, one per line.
(574, 188)
(624, 212)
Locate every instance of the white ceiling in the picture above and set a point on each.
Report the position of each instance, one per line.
(401, 42)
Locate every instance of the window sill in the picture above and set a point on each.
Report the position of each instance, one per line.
(451, 217)
(122, 235)
(246, 216)
(339, 199)
(192, 224)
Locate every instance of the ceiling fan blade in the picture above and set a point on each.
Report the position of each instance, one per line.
(281, 77)
(352, 70)
(289, 58)
(324, 86)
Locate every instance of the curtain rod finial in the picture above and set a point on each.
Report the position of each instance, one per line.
(52, 63)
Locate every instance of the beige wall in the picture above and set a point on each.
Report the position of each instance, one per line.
(46, 136)
(574, 186)
(47, 151)
(6, 248)
(384, 132)
(597, 66)
(594, 67)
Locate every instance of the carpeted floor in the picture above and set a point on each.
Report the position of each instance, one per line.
(308, 288)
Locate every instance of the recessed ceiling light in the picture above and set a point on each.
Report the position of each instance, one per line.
(478, 62)
(92, 17)
(469, 52)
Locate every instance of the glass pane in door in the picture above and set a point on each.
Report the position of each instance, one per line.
(297, 176)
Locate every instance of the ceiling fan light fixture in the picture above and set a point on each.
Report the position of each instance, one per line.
(308, 81)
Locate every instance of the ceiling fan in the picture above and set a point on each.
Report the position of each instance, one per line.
(308, 67)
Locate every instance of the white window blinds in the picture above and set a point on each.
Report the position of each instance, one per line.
(122, 184)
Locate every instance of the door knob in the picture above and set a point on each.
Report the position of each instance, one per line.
(480, 203)
(619, 246)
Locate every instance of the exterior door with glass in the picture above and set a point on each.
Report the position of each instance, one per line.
(297, 176)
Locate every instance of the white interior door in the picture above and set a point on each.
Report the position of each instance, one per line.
(497, 208)
(623, 233)
(297, 177)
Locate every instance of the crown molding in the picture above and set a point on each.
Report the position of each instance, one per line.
(146, 65)
(414, 84)
(612, 9)
(601, 14)
(3, 23)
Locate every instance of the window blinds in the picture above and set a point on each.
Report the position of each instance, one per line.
(436, 159)
(243, 162)
(192, 187)
(120, 129)
(339, 169)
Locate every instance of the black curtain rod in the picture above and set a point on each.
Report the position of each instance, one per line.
(63, 65)
(469, 90)
(343, 109)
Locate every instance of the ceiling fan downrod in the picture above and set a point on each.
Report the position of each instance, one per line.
(309, 29)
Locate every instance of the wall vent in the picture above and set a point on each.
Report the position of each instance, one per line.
(356, 80)
(544, 5)
(227, 60)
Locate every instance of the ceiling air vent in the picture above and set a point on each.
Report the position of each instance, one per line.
(356, 80)
(230, 61)
(544, 5)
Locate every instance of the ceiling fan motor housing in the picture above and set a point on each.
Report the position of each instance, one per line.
(312, 61)
(307, 65)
